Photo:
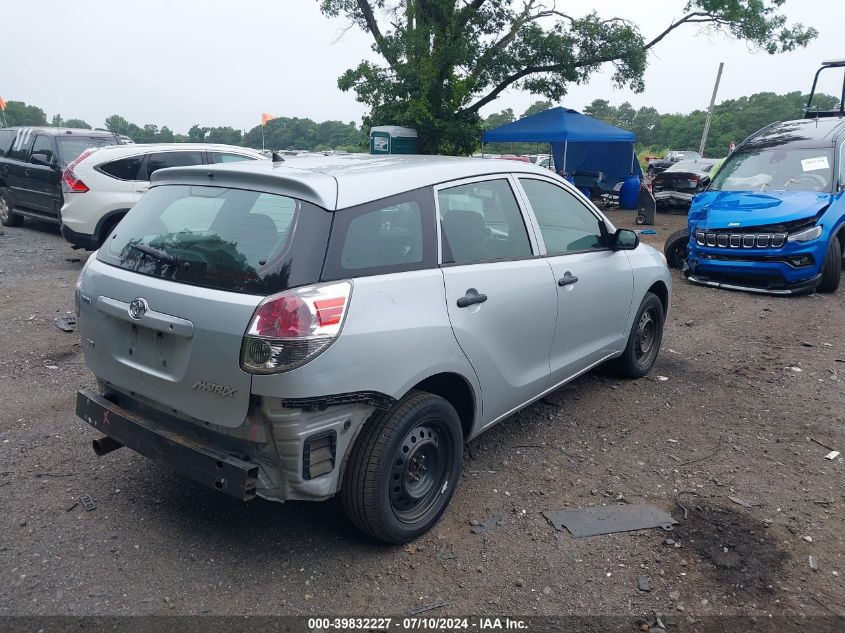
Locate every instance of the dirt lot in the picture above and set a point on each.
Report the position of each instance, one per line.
(742, 384)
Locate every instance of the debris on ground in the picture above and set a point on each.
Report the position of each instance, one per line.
(832, 455)
(88, 502)
(814, 564)
(430, 607)
(742, 502)
(643, 583)
(489, 524)
(66, 323)
(610, 519)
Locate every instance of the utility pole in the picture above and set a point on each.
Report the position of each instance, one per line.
(710, 111)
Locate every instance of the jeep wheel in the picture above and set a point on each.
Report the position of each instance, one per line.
(832, 270)
(7, 216)
(643, 341)
(404, 468)
(676, 248)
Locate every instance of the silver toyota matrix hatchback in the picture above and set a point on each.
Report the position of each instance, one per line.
(343, 325)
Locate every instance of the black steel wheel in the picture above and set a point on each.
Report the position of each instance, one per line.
(403, 468)
(643, 341)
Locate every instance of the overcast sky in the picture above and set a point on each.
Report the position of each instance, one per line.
(223, 62)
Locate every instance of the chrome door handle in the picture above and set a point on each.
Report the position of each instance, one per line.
(471, 298)
(567, 280)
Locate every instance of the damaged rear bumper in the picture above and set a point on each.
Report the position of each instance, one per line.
(216, 469)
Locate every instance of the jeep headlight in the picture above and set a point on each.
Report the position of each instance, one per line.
(805, 235)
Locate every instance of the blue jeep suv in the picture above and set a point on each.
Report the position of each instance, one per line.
(773, 218)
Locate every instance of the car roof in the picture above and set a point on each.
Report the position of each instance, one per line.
(698, 164)
(345, 180)
(801, 133)
(142, 148)
(61, 131)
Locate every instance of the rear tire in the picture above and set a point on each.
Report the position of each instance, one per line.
(676, 248)
(643, 341)
(7, 216)
(404, 468)
(832, 270)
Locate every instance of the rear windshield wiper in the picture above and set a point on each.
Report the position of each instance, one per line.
(167, 258)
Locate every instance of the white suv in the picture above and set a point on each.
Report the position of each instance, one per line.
(103, 184)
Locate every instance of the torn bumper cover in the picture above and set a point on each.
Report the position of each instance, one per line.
(215, 469)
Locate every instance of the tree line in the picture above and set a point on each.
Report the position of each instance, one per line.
(280, 133)
(733, 121)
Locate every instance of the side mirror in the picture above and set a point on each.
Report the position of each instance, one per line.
(624, 240)
(40, 158)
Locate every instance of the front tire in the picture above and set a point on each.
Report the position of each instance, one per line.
(676, 248)
(7, 216)
(404, 468)
(643, 341)
(832, 270)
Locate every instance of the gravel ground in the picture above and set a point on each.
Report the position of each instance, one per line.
(746, 394)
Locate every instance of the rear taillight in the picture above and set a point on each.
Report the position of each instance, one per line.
(70, 181)
(289, 329)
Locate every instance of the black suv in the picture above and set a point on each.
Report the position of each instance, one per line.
(31, 163)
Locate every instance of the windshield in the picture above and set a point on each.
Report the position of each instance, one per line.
(72, 146)
(229, 239)
(776, 169)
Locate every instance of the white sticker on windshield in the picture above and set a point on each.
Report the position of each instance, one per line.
(813, 164)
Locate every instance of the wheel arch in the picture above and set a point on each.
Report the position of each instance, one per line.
(660, 289)
(458, 392)
(108, 221)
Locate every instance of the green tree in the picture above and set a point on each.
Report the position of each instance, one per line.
(18, 113)
(444, 60)
(77, 123)
(537, 107)
(499, 119)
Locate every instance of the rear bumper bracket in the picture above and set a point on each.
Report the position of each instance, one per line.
(216, 469)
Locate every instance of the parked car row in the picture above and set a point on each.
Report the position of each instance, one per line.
(87, 180)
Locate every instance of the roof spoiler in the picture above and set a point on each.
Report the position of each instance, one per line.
(808, 111)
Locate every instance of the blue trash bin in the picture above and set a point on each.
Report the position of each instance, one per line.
(630, 192)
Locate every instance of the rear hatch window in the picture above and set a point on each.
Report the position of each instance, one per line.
(222, 238)
(72, 145)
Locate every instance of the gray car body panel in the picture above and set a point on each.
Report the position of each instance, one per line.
(530, 337)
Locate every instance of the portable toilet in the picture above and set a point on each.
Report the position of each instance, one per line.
(393, 139)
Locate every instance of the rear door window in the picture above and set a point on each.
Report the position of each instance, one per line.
(6, 137)
(226, 157)
(391, 235)
(230, 239)
(163, 160)
(123, 169)
(481, 222)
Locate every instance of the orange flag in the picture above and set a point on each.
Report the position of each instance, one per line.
(2, 104)
(266, 117)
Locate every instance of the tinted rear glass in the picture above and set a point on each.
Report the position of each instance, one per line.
(123, 169)
(164, 160)
(229, 239)
(6, 137)
(71, 146)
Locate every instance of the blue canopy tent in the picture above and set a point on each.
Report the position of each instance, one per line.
(579, 143)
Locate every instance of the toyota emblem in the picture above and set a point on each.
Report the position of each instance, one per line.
(138, 308)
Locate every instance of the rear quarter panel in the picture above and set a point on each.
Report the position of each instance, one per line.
(396, 334)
